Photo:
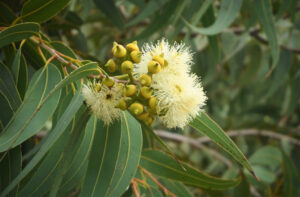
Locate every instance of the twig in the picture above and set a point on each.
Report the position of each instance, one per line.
(166, 191)
(58, 56)
(233, 133)
(136, 192)
(265, 133)
(255, 34)
(193, 142)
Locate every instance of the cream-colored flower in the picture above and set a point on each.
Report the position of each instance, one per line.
(180, 98)
(178, 57)
(103, 103)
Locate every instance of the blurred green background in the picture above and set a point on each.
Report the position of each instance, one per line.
(247, 54)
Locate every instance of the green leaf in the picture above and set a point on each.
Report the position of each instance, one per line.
(280, 72)
(10, 166)
(42, 10)
(160, 20)
(268, 156)
(32, 115)
(23, 77)
(292, 177)
(164, 165)
(176, 188)
(229, 10)
(102, 159)
(18, 32)
(129, 156)
(110, 10)
(8, 88)
(114, 157)
(205, 125)
(16, 64)
(150, 8)
(263, 10)
(54, 135)
(7, 16)
(78, 165)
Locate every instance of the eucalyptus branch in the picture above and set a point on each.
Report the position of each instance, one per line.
(234, 133)
(60, 56)
(195, 143)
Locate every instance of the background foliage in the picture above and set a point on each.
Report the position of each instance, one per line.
(245, 51)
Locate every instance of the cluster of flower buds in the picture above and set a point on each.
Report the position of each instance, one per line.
(151, 83)
(136, 94)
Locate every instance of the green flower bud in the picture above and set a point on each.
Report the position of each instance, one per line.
(143, 116)
(132, 46)
(154, 67)
(109, 82)
(129, 90)
(127, 67)
(98, 87)
(119, 51)
(152, 103)
(149, 121)
(159, 59)
(122, 104)
(146, 92)
(145, 80)
(136, 108)
(111, 66)
(136, 56)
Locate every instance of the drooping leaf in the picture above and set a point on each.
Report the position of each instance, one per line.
(129, 156)
(18, 32)
(164, 165)
(31, 116)
(160, 20)
(263, 10)
(110, 10)
(228, 11)
(42, 10)
(150, 8)
(7, 16)
(114, 157)
(10, 167)
(54, 135)
(8, 88)
(205, 125)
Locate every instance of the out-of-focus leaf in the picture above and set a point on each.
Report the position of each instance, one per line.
(264, 14)
(292, 96)
(56, 132)
(164, 165)
(10, 167)
(282, 68)
(268, 156)
(114, 157)
(42, 10)
(150, 8)
(160, 20)
(205, 125)
(111, 11)
(292, 177)
(18, 32)
(229, 10)
(31, 115)
(243, 189)
(7, 16)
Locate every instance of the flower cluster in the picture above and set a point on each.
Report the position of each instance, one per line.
(159, 85)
